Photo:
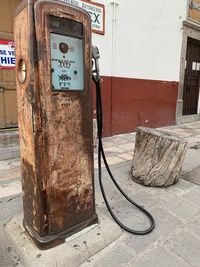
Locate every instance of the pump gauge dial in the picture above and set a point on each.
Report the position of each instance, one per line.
(63, 47)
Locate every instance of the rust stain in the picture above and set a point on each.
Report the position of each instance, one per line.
(55, 127)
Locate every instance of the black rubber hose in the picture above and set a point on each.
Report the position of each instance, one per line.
(101, 153)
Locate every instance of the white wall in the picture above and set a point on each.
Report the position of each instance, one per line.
(147, 41)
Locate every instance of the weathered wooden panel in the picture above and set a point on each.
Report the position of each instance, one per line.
(10, 107)
(8, 76)
(2, 114)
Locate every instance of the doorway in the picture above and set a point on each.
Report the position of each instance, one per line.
(191, 78)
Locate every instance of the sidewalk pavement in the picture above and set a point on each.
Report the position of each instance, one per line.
(176, 238)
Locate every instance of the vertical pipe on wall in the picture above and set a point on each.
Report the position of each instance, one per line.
(114, 4)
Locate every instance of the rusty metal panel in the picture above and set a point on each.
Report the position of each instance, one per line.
(32, 184)
(55, 130)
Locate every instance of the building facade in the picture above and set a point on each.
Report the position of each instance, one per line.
(150, 63)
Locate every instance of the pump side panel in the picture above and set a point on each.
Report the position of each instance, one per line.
(68, 131)
(29, 126)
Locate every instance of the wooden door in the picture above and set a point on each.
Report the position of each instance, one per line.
(8, 107)
(191, 80)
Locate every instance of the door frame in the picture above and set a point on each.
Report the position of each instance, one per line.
(190, 30)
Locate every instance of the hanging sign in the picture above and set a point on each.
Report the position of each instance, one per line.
(194, 10)
(7, 54)
(96, 11)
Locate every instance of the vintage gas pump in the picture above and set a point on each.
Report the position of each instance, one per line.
(53, 75)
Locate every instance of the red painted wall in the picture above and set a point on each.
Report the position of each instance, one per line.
(129, 103)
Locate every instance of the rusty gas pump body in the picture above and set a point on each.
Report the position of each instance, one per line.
(53, 76)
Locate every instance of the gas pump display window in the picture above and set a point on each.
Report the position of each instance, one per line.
(66, 62)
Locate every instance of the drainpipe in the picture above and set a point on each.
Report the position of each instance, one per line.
(114, 3)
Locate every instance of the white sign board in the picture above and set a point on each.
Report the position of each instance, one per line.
(96, 11)
(66, 62)
(7, 54)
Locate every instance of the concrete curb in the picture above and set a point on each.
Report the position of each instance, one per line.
(76, 249)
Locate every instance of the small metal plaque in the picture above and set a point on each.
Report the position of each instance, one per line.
(66, 62)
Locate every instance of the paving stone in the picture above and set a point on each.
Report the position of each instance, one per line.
(129, 215)
(114, 160)
(113, 150)
(182, 134)
(166, 223)
(127, 147)
(10, 206)
(96, 164)
(192, 176)
(10, 189)
(131, 136)
(121, 175)
(159, 257)
(9, 153)
(162, 193)
(192, 195)
(116, 254)
(4, 163)
(140, 243)
(180, 208)
(194, 226)
(107, 144)
(120, 140)
(5, 166)
(8, 257)
(145, 199)
(184, 185)
(15, 164)
(12, 173)
(189, 162)
(126, 156)
(187, 246)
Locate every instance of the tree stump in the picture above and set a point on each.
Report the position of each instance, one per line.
(158, 158)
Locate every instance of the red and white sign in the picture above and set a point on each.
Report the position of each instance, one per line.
(96, 11)
(7, 54)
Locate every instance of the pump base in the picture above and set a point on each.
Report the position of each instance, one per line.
(77, 248)
(49, 241)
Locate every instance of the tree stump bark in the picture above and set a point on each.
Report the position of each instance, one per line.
(158, 158)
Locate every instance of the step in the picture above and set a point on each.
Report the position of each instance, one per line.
(9, 138)
(9, 153)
